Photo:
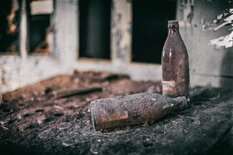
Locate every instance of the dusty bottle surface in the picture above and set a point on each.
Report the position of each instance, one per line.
(132, 109)
(175, 63)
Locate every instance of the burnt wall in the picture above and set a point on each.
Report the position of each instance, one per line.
(206, 28)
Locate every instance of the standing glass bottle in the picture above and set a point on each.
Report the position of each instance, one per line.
(175, 63)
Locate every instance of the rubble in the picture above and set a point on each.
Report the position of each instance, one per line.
(206, 127)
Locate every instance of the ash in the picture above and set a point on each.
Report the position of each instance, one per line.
(34, 122)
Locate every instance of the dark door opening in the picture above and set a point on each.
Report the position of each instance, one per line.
(94, 28)
(39, 26)
(150, 28)
(9, 26)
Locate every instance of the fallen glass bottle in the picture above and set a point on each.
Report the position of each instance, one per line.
(133, 109)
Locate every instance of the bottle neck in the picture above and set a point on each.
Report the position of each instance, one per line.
(182, 102)
(173, 31)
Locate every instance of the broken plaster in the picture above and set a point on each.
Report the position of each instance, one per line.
(225, 19)
(121, 31)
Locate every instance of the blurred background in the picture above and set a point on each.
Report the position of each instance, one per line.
(44, 38)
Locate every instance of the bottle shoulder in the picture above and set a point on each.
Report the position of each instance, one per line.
(174, 45)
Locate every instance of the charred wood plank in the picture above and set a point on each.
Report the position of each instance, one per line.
(64, 93)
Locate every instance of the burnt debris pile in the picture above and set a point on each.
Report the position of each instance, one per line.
(53, 117)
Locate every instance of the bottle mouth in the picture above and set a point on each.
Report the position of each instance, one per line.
(173, 24)
(182, 101)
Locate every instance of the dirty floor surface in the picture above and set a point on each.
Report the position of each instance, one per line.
(53, 117)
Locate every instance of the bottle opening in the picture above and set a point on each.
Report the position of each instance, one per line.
(173, 24)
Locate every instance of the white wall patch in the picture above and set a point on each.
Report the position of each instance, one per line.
(223, 41)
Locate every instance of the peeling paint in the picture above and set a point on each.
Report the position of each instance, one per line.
(207, 24)
(224, 19)
(227, 17)
(223, 41)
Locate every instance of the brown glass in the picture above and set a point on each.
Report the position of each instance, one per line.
(175, 63)
(133, 109)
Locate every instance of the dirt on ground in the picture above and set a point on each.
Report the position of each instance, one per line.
(53, 117)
